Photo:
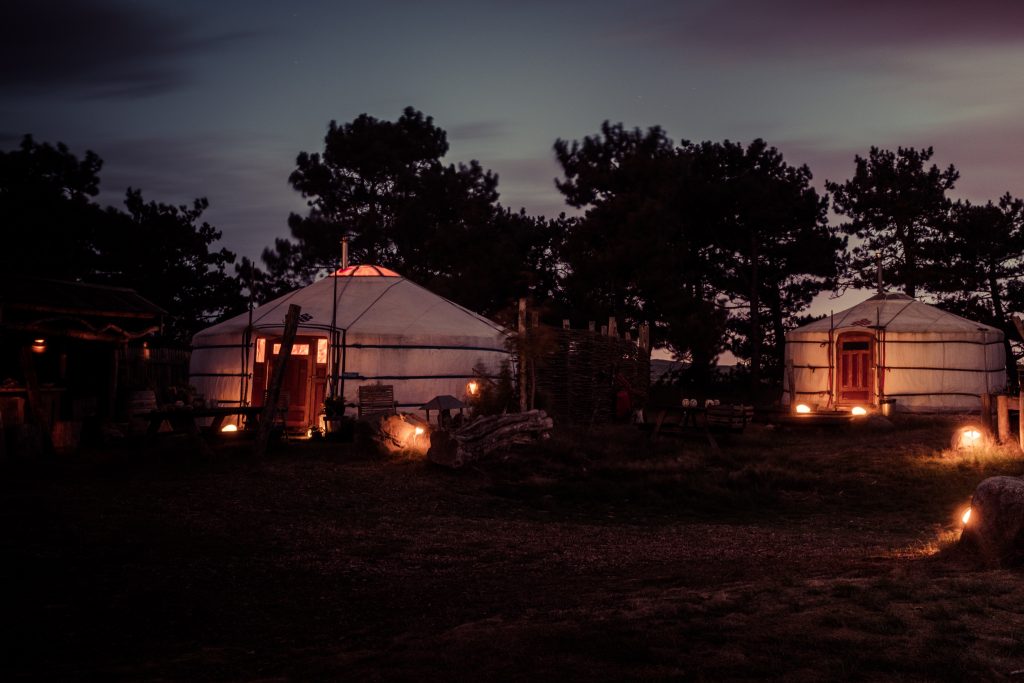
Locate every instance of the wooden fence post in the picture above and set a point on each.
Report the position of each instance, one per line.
(645, 338)
(522, 355)
(291, 326)
(986, 412)
(1020, 418)
(1020, 405)
(1003, 417)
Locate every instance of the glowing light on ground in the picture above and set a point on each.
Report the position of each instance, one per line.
(970, 437)
(803, 409)
(229, 428)
(418, 431)
(858, 410)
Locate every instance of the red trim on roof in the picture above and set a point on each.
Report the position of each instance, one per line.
(366, 271)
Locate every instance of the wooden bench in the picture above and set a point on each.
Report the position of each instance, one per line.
(376, 400)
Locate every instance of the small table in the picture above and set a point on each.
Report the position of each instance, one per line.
(183, 420)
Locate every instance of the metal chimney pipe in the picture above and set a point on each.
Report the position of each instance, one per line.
(344, 252)
(881, 286)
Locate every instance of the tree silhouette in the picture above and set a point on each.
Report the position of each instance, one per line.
(773, 237)
(642, 249)
(52, 228)
(982, 250)
(383, 185)
(897, 205)
(680, 234)
(176, 268)
(47, 215)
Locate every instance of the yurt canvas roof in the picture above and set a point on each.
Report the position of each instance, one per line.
(899, 313)
(383, 304)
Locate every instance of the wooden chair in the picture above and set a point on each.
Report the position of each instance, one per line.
(376, 400)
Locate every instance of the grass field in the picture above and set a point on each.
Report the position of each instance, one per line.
(595, 556)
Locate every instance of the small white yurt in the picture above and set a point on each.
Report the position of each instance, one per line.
(894, 348)
(385, 330)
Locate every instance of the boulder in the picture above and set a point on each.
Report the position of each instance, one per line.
(996, 525)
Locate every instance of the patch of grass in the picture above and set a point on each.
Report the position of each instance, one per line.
(909, 471)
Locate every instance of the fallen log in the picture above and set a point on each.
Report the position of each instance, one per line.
(485, 435)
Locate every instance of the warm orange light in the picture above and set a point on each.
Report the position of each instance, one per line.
(967, 516)
(418, 431)
(472, 388)
(365, 271)
(858, 410)
(229, 428)
(38, 345)
(803, 408)
(970, 437)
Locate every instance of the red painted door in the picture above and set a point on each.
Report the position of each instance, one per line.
(295, 383)
(855, 368)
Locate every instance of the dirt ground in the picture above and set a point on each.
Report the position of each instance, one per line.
(596, 556)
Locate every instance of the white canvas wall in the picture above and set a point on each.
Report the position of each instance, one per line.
(935, 361)
(398, 333)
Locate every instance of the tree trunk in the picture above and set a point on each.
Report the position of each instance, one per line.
(779, 328)
(910, 268)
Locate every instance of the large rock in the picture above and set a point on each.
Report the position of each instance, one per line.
(996, 526)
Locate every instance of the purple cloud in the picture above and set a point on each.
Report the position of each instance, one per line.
(745, 29)
(96, 48)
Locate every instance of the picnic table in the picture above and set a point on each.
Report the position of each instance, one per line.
(672, 418)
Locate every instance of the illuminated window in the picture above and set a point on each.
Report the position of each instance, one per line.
(321, 350)
(261, 350)
(297, 349)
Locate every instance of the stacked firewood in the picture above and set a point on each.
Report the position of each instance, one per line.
(485, 435)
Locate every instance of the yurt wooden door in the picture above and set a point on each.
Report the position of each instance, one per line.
(855, 368)
(299, 378)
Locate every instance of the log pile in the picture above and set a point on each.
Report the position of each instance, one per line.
(485, 435)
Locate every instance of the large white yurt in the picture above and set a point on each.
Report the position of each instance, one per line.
(386, 330)
(894, 348)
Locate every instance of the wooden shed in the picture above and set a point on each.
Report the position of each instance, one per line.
(60, 349)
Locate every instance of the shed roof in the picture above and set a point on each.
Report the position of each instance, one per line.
(76, 309)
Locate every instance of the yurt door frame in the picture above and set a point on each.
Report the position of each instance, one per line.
(305, 378)
(855, 369)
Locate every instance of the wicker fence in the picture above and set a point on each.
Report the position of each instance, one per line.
(576, 374)
(144, 367)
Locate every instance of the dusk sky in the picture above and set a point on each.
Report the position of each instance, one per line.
(192, 98)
